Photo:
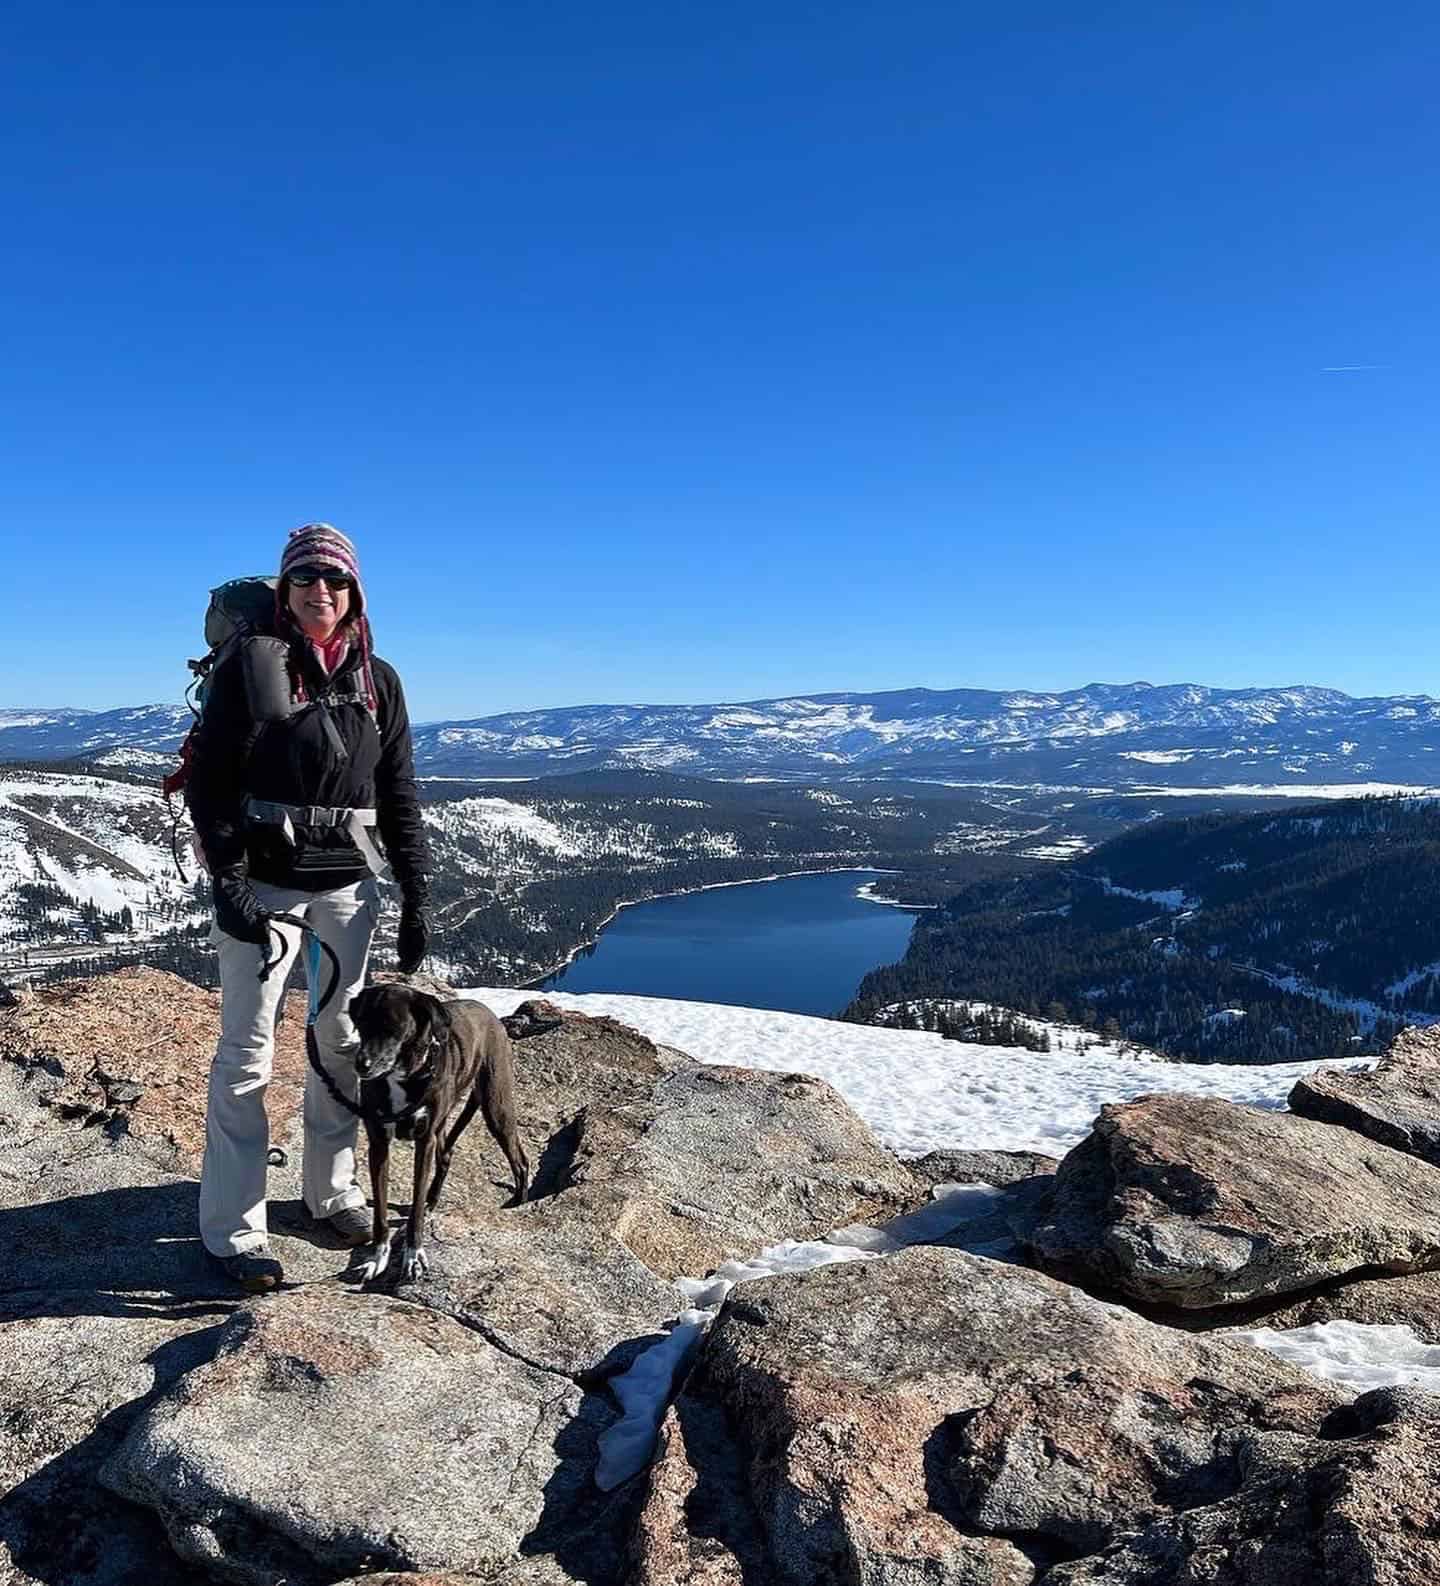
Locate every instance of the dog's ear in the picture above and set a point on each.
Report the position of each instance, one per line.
(431, 1017)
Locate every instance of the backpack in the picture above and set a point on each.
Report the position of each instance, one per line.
(237, 609)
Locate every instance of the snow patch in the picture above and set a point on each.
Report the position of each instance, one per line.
(1356, 1355)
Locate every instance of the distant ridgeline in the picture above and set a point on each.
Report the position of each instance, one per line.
(1249, 938)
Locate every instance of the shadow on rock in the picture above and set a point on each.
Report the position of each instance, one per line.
(582, 1528)
(57, 1524)
(130, 1250)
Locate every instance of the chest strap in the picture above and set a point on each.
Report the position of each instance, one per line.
(354, 822)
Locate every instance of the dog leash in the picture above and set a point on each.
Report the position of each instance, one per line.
(312, 1049)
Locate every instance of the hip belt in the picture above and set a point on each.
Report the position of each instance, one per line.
(354, 822)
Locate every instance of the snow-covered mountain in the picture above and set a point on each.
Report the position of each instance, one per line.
(1103, 735)
(144, 731)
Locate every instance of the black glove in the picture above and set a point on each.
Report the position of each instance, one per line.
(412, 938)
(238, 912)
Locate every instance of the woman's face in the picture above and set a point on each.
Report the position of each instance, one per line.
(319, 607)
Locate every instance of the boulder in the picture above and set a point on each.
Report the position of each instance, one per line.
(1396, 1103)
(72, 1380)
(1191, 1201)
(566, 1297)
(564, 1064)
(1356, 1509)
(720, 1162)
(981, 1167)
(336, 1434)
(934, 1416)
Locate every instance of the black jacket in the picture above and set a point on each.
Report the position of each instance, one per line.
(295, 762)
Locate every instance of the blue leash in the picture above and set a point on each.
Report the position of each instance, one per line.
(314, 947)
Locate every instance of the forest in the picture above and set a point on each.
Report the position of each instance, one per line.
(1298, 933)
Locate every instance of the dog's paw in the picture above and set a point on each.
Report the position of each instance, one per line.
(377, 1262)
(416, 1263)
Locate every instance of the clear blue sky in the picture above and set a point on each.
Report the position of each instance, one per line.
(670, 352)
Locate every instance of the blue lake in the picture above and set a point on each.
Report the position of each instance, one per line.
(800, 944)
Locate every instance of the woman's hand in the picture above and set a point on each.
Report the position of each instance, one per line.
(412, 938)
(238, 912)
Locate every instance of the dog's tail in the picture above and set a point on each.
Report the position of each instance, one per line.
(536, 1017)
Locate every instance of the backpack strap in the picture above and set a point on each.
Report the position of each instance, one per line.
(355, 821)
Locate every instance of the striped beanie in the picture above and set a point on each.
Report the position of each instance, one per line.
(323, 545)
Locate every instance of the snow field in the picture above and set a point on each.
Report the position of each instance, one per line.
(111, 817)
(920, 1092)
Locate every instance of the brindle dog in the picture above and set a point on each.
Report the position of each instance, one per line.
(418, 1060)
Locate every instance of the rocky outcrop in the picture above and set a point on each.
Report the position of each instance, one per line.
(1356, 1508)
(335, 1432)
(1189, 1201)
(938, 1417)
(982, 1167)
(1396, 1103)
(717, 1159)
(642, 1154)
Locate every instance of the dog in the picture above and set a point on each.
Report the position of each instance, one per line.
(418, 1060)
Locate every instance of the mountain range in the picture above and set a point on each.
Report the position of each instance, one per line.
(1102, 735)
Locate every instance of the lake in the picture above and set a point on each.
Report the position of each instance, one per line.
(800, 944)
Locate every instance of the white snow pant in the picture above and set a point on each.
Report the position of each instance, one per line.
(237, 1132)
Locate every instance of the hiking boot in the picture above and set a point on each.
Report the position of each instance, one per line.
(351, 1227)
(254, 1272)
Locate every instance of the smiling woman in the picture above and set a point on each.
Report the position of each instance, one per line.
(303, 745)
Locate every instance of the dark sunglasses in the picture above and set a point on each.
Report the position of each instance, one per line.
(332, 578)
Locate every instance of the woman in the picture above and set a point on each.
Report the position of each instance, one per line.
(303, 746)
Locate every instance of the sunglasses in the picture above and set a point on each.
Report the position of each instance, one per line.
(303, 577)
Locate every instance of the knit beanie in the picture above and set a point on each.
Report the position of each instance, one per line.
(323, 545)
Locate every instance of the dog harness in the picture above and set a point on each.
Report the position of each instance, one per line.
(355, 822)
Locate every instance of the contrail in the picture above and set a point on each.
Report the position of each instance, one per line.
(1349, 368)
